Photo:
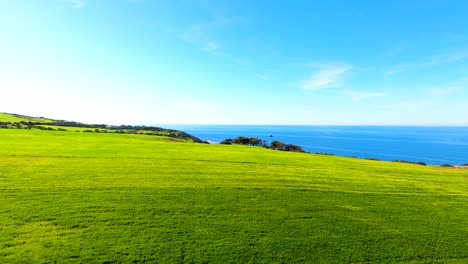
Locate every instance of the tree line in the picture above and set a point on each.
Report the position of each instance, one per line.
(275, 145)
(122, 129)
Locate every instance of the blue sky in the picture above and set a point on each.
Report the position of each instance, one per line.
(236, 62)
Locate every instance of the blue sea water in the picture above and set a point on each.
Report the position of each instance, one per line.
(432, 145)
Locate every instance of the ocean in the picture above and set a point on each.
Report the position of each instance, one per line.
(432, 145)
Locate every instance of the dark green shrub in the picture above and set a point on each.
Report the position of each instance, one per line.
(277, 145)
(227, 142)
(241, 140)
(292, 147)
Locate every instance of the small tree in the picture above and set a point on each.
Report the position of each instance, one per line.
(241, 141)
(227, 142)
(277, 145)
(254, 141)
(292, 147)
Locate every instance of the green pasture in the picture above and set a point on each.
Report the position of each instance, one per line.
(68, 197)
(4, 117)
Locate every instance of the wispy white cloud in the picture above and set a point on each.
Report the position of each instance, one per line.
(327, 76)
(396, 69)
(416, 104)
(442, 91)
(212, 46)
(201, 35)
(75, 3)
(208, 34)
(428, 62)
(446, 58)
(357, 96)
(449, 88)
(262, 76)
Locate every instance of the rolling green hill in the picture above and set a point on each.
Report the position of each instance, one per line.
(14, 118)
(68, 197)
(40, 123)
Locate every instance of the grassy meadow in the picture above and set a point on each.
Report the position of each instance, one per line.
(74, 197)
(14, 118)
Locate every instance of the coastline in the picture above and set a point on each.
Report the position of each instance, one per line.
(431, 145)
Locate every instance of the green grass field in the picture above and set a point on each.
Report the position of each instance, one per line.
(4, 117)
(68, 197)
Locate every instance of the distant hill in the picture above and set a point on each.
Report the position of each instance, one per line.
(15, 118)
(8, 120)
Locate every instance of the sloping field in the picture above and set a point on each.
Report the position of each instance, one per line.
(4, 117)
(73, 197)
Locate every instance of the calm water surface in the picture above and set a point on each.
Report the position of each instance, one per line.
(433, 145)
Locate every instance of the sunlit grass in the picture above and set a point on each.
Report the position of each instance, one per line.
(17, 118)
(89, 197)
